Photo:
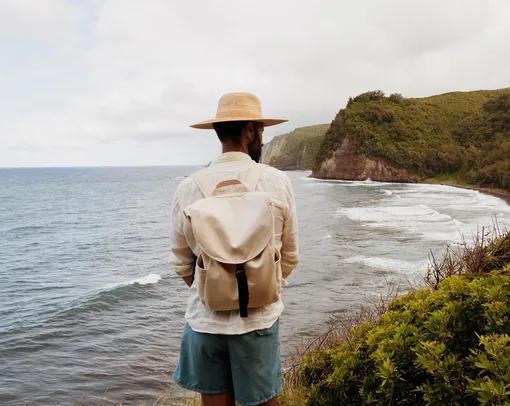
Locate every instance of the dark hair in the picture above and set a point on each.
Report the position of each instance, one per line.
(230, 130)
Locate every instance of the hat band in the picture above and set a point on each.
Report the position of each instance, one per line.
(237, 113)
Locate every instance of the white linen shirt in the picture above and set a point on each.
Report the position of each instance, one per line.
(184, 249)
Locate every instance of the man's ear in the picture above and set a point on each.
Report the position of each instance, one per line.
(250, 131)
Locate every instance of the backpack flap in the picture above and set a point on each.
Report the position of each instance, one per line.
(232, 228)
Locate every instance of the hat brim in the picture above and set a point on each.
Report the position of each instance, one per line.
(208, 125)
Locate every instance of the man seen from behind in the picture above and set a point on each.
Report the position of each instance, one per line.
(234, 241)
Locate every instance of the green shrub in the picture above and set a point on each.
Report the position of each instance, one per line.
(396, 98)
(443, 346)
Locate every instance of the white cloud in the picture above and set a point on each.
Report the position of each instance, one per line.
(36, 20)
(414, 28)
(120, 81)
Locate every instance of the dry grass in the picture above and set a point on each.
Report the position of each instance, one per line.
(188, 399)
(489, 250)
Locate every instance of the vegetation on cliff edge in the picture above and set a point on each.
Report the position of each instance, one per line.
(461, 134)
(447, 344)
(297, 149)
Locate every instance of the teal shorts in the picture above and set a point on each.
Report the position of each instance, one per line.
(248, 365)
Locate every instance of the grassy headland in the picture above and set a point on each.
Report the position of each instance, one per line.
(462, 137)
(297, 149)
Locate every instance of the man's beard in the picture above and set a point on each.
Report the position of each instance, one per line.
(255, 147)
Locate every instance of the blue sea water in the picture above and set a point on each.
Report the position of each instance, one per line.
(89, 309)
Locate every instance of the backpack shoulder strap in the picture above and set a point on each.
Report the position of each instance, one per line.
(199, 179)
(251, 179)
(253, 176)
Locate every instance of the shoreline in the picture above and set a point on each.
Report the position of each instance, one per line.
(502, 194)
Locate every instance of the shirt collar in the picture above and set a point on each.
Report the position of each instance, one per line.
(232, 157)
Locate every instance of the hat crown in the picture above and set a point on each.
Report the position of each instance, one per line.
(239, 105)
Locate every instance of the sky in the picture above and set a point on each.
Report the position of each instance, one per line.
(119, 82)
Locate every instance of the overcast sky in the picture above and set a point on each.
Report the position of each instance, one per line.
(118, 82)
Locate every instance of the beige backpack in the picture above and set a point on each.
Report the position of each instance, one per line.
(238, 266)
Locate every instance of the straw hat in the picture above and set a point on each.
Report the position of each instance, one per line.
(238, 107)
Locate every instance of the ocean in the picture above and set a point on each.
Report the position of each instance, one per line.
(90, 311)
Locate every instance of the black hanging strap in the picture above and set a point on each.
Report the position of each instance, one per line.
(242, 286)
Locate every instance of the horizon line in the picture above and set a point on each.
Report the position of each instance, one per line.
(98, 166)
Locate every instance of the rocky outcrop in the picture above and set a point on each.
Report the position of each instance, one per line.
(347, 163)
(296, 150)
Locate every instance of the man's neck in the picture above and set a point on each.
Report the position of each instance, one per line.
(234, 148)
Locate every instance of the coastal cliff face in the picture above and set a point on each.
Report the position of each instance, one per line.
(296, 150)
(462, 137)
(347, 163)
(457, 137)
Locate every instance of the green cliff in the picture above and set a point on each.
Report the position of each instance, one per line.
(459, 136)
(296, 150)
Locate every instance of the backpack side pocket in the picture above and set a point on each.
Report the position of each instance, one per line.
(202, 277)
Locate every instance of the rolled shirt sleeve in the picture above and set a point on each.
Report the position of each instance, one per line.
(182, 258)
(290, 235)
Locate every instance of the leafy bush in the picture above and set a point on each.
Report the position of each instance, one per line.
(396, 98)
(369, 96)
(448, 346)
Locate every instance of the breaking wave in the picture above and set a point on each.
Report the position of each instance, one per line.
(388, 264)
(109, 297)
(406, 219)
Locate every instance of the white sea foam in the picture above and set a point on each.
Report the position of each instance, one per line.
(433, 212)
(317, 184)
(418, 219)
(146, 280)
(317, 180)
(367, 182)
(391, 214)
(151, 278)
(388, 264)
